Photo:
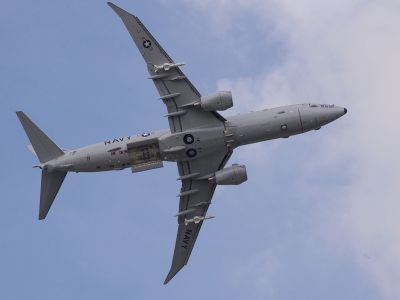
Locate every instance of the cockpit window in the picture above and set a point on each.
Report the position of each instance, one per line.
(328, 105)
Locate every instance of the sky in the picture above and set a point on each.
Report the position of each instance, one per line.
(318, 217)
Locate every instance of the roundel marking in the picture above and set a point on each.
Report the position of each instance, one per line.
(191, 153)
(188, 139)
(147, 43)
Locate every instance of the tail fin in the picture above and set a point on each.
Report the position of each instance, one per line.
(51, 183)
(45, 150)
(44, 147)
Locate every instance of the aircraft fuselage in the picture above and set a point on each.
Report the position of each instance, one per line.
(242, 129)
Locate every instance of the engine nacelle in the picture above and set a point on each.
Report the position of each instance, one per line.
(231, 176)
(217, 101)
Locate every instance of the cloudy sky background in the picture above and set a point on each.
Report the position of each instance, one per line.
(319, 216)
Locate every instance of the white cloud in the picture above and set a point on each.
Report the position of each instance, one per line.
(345, 52)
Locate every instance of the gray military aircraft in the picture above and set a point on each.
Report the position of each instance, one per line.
(199, 140)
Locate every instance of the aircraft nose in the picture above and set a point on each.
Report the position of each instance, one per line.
(313, 116)
(341, 111)
(331, 114)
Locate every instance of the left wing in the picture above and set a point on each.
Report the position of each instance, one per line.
(195, 198)
(175, 89)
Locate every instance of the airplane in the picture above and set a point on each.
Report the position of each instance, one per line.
(199, 139)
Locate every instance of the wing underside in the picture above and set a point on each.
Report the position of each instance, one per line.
(175, 89)
(179, 96)
(199, 192)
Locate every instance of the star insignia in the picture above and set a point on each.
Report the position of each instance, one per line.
(146, 44)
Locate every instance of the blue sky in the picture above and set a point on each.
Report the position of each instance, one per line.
(72, 67)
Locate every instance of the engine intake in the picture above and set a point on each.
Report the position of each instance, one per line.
(231, 176)
(217, 101)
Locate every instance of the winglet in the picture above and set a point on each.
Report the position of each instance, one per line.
(117, 9)
(172, 273)
(149, 48)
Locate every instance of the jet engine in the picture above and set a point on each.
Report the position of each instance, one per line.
(231, 176)
(217, 101)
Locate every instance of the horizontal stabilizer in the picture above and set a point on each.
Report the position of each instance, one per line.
(44, 147)
(51, 183)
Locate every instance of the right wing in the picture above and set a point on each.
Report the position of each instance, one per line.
(175, 89)
(193, 205)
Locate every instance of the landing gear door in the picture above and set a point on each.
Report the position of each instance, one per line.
(144, 155)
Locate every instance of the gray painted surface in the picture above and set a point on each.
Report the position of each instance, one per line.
(199, 141)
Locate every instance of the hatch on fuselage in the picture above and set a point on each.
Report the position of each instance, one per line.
(144, 155)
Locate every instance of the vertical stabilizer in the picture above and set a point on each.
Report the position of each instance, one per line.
(45, 148)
